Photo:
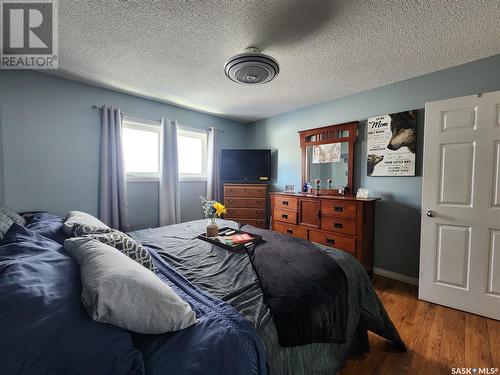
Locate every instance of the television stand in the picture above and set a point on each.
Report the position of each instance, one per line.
(246, 203)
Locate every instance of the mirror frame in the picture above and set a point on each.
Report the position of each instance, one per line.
(325, 135)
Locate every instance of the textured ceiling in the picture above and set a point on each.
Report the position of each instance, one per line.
(175, 50)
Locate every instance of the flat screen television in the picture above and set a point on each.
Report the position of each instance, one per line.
(245, 165)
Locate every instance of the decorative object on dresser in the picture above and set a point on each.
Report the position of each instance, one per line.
(246, 203)
(328, 214)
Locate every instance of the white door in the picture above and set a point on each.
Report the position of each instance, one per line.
(460, 244)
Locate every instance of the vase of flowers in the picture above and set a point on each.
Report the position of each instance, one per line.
(212, 210)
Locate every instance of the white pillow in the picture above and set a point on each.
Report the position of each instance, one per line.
(119, 291)
(82, 219)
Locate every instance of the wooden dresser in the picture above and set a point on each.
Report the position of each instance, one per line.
(342, 222)
(246, 203)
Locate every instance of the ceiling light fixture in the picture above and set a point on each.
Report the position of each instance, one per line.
(252, 67)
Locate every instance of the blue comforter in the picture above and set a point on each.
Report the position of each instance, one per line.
(45, 330)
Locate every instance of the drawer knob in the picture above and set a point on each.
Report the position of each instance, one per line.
(330, 241)
(285, 203)
(339, 209)
(338, 225)
(284, 216)
(289, 231)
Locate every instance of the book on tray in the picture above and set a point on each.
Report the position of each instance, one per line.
(240, 238)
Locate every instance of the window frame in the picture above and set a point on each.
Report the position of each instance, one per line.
(137, 123)
(202, 134)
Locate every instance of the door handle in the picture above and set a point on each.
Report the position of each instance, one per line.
(284, 216)
(285, 203)
(338, 225)
(338, 209)
(319, 214)
(430, 213)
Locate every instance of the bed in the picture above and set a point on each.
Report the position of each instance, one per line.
(236, 333)
(230, 277)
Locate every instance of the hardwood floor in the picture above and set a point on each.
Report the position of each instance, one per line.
(438, 338)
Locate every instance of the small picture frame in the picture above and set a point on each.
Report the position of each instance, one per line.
(289, 188)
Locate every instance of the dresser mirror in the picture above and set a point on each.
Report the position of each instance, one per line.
(328, 154)
(329, 161)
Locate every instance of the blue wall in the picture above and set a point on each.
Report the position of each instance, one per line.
(49, 138)
(397, 229)
(50, 145)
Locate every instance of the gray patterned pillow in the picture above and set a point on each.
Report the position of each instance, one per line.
(5, 223)
(126, 245)
(18, 219)
(79, 230)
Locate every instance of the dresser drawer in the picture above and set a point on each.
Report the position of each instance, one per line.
(246, 213)
(245, 191)
(338, 208)
(339, 225)
(259, 223)
(285, 216)
(245, 202)
(334, 240)
(288, 203)
(291, 230)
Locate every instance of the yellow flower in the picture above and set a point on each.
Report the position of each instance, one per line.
(219, 208)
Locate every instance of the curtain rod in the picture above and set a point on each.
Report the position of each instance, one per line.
(128, 114)
(155, 119)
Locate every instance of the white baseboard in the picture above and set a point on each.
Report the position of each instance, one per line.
(395, 276)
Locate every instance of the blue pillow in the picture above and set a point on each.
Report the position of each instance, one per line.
(44, 328)
(48, 225)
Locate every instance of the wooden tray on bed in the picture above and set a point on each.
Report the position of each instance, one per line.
(235, 247)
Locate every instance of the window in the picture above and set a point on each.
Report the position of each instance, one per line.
(141, 149)
(192, 151)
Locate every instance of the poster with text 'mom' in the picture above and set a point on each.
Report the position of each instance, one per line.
(391, 141)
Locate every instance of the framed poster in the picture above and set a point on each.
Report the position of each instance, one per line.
(391, 144)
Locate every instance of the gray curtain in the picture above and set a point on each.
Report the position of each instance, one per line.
(113, 206)
(170, 207)
(213, 166)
